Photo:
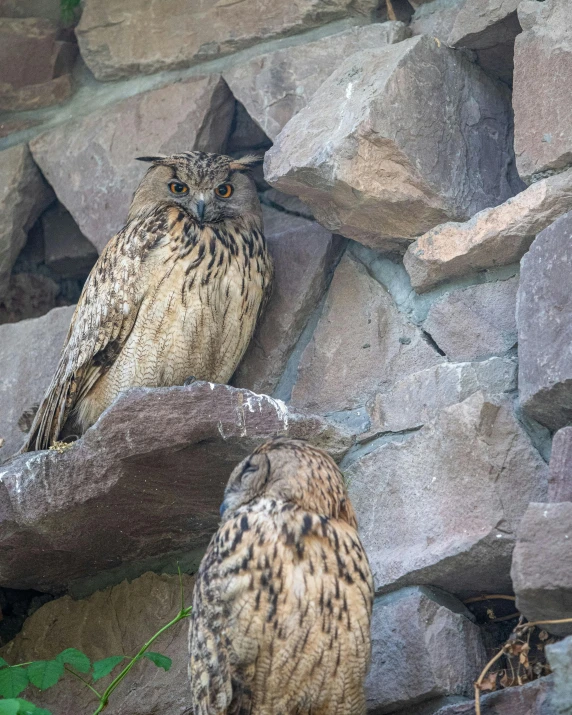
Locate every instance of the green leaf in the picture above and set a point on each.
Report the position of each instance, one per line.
(101, 668)
(45, 673)
(3, 663)
(75, 658)
(27, 708)
(9, 707)
(161, 661)
(12, 682)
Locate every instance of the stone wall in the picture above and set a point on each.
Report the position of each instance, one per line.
(417, 198)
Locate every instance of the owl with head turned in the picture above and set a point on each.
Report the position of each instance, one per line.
(176, 294)
(283, 597)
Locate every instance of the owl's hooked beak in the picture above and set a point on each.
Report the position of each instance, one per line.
(201, 212)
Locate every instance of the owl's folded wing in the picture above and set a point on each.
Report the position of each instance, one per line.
(104, 317)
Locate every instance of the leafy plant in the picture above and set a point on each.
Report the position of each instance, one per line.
(67, 10)
(44, 674)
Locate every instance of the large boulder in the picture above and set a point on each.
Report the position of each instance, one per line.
(534, 698)
(544, 316)
(494, 237)
(560, 659)
(476, 322)
(362, 155)
(145, 482)
(91, 164)
(441, 506)
(23, 196)
(134, 37)
(542, 86)
(489, 28)
(435, 18)
(542, 565)
(29, 354)
(274, 86)
(560, 479)
(424, 646)
(305, 255)
(114, 621)
(362, 343)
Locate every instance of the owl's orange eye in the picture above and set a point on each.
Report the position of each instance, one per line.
(177, 188)
(224, 191)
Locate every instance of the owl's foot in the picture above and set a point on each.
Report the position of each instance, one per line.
(61, 447)
(189, 380)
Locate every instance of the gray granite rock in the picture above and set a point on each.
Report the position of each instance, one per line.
(560, 659)
(560, 478)
(544, 316)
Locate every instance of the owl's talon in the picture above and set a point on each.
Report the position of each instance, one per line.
(189, 381)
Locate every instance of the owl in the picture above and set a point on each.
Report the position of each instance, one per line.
(283, 597)
(176, 294)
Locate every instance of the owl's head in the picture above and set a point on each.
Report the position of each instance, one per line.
(210, 187)
(291, 471)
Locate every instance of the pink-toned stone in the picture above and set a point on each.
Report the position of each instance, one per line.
(304, 256)
(91, 162)
(273, 87)
(494, 237)
(135, 36)
(35, 96)
(361, 344)
(542, 87)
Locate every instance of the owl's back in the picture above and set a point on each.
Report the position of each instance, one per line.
(284, 599)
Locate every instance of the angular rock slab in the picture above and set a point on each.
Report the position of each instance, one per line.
(363, 157)
(476, 322)
(435, 18)
(560, 659)
(493, 237)
(114, 621)
(23, 196)
(147, 479)
(544, 317)
(542, 565)
(29, 354)
(136, 37)
(362, 343)
(304, 256)
(490, 28)
(560, 479)
(273, 87)
(542, 86)
(91, 164)
(534, 698)
(424, 645)
(441, 506)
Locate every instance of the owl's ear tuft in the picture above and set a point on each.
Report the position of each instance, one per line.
(246, 162)
(151, 159)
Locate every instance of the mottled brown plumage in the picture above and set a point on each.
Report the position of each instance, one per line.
(176, 293)
(283, 597)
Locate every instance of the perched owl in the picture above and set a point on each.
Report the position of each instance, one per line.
(283, 597)
(175, 294)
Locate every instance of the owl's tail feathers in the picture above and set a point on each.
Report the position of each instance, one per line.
(52, 413)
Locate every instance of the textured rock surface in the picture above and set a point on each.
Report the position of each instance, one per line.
(455, 490)
(494, 237)
(273, 87)
(489, 28)
(361, 343)
(534, 698)
(304, 256)
(560, 658)
(544, 315)
(560, 478)
(185, 33)
(29, 295)
(385, 175)
(35, 57)
(29, 353)
(147, 479)
(23, 196)
(91, 162)
(542, 564)
(424, 646)
(114, 621)
(542, 83)
(435, 18)
(67, 251)
(416, 399)
(475, 322)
